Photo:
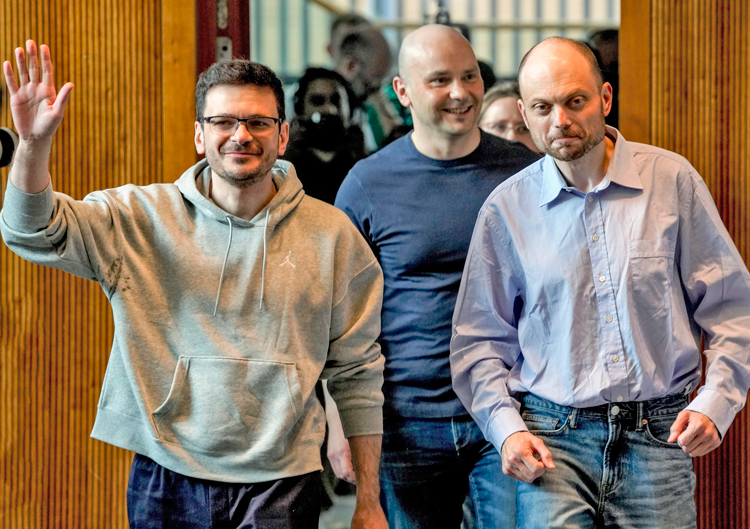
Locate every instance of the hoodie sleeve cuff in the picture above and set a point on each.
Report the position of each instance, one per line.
(27, 212)
(362, 421)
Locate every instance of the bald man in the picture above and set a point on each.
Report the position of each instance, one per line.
(591, 278)
(415, 202)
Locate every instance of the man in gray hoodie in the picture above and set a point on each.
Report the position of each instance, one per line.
(232, 294)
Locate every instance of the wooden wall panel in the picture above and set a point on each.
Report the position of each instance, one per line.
(133, 66)
(685, 78)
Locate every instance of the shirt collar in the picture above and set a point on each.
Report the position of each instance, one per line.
(621, 171)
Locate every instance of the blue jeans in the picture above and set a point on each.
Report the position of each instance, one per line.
(429, 465)
(613, 467)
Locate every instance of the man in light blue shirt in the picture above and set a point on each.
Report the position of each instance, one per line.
(591, 277)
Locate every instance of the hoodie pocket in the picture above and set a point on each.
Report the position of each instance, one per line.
(230, 406)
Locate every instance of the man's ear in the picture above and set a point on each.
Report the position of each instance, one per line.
(523, 112)
(399, 86)
(200, 145)
(283, 137)
(349, 67)
(607, 96)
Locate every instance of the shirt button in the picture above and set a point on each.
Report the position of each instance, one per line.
(590, 199)
(615, 410)
(602, 279)
(609, 319)
(595, 237)
(615, 358)
(620, 399)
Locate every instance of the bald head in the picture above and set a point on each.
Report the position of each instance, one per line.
(423, 45)
(559, 50)
(439, 81)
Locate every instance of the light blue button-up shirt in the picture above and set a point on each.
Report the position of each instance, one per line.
(587, 299)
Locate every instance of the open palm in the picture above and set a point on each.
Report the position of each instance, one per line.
(37, 109)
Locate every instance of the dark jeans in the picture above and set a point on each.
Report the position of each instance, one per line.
(429, 465)
(613, 467)
(161, 499)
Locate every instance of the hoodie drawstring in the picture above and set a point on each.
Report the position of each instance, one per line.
(263, 269)
(224, 266)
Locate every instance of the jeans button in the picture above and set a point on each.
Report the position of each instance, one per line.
(615, 410)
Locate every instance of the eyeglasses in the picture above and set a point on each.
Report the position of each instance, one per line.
(227, 125)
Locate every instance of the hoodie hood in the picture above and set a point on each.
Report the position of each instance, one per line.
(194, 185)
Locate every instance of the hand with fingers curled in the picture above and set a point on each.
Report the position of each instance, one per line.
(340, 456)
(525, 457)
(36, 107)
(695, 433)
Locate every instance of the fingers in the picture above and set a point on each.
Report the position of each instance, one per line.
(544, 454)
(700, 437)
(10, 79)
(48, 72)
(33, 60)
(695, 433)
(343, 469)
(23, 72)
(62, 97)
(678, 426)
(519, 453)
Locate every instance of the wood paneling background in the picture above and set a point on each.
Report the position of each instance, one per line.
(685, 86)
(130, 119)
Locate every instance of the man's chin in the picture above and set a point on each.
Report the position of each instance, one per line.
(243, 180)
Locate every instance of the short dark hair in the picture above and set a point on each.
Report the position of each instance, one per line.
(360, 45)
(347, 19)
(313, 74)
(238, 72)
(582, 48)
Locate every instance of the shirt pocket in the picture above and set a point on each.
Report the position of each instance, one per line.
(650, 262)
(226, 406)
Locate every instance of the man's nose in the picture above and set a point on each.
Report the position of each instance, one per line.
(331, 109)
(512, 135)
(458, 90)
(561, 119)
(241, 134)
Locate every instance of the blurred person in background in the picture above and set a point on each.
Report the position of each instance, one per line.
(342, 26)
(365, 60)
(500, 114)
(323, 145)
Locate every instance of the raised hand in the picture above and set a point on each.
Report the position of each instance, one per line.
(37, 109)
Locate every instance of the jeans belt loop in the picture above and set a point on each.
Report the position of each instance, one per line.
(574, 418)
(640, 413)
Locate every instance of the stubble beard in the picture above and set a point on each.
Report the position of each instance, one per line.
(240, 179)
(594, 138)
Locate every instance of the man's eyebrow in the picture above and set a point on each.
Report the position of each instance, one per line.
(438, 73)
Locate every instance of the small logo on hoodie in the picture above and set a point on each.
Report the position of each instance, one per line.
(288, 260)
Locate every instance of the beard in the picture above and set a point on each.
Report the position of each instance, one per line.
(590, 139)
(235, 174)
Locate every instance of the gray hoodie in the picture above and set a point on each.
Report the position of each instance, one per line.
(222, 325)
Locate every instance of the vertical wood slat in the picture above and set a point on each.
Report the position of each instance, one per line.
(694, 100)
(133, 66)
